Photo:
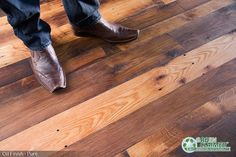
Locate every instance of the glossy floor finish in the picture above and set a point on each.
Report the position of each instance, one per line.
(130, 100)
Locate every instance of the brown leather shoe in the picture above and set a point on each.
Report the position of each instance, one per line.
(47, 69)
(110, 32)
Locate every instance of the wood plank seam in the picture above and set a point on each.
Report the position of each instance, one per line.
(177, 70)
(161, 143)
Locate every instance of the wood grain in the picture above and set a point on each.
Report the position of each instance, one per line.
(86, 83)
(64, 49)
(17, 87)
(126, 100)
(159, 29)
(224, 130)
(138, 93)
(171, 136)
(124, 133)
(152, 15)
(201, 30)
(189, 4)
(177, 21)
(168, 1)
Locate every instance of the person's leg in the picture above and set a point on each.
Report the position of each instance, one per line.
(87, 22)
(82, 12)
(24, 17)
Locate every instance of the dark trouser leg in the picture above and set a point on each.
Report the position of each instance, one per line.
(24, 17)
(82, 12)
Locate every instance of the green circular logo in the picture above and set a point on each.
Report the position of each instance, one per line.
(189, 145)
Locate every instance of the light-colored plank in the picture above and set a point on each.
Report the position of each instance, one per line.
(8, 57)
(170, 136)
(108, 107)
(168, 1)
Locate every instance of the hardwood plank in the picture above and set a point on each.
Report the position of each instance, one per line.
(158, 13)
(124, 133)
(16, 88)
(6, 56)
(189, 4)
(152, 15)
(177, 21)
(105, 109)
(207, 28)
(171, 135)
(224, 130)
(168, 1)
(118, 9)
(73, 49)
(85, 83)
(12, 73)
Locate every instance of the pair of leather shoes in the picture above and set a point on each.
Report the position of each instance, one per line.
(46, 66)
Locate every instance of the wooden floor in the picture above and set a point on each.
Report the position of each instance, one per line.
(139, 99)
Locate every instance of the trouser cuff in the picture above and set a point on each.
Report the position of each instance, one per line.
(39, 47)
(90, 20)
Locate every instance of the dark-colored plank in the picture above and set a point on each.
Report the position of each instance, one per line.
(170, 137)
(158, 13)
(20, 87)
(207, 28)
(152, 15)
(189, 4)
(224, 130)
(21, 69)
(86, 83)
(131, 129)
(14, 72)
(29, 83)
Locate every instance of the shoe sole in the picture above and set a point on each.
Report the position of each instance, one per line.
(83, 34)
